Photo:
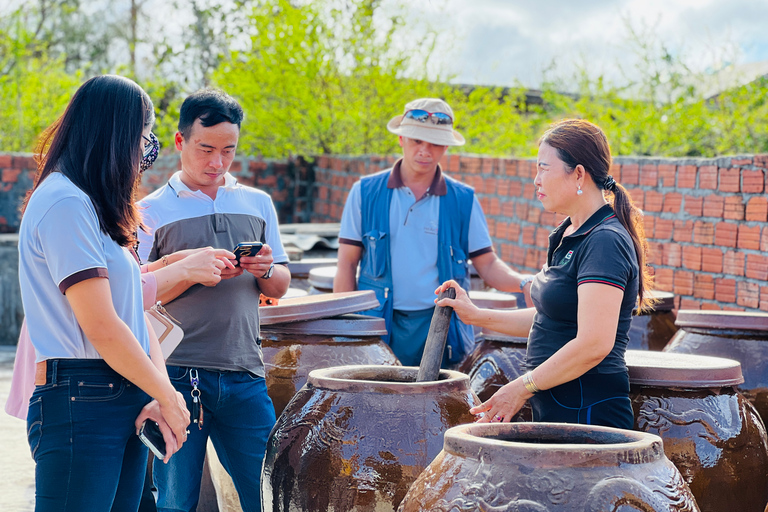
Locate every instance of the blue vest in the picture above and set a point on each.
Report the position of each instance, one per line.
(453, 249)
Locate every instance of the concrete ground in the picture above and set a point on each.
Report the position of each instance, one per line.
(17, 469)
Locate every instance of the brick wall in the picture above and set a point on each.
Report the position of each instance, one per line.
(706, 220)
(288, 182)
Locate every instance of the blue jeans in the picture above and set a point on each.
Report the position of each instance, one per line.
(238, 416)
(81, 432)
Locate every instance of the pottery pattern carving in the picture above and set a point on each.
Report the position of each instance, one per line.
(717, 415)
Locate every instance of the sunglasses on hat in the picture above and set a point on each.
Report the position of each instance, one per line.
(423, 116)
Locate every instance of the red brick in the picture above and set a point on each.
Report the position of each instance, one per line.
(673, 202)
(508, 209)
(714, 206)
(712, 306)
(615, 171)
(638, 197)
(725, 234)
(653, 201)
(531, 258)
(736, 162)
(733, 263)
(515, 188)
(518, 255)
(752, 182)
(5, 161)
(764, 240)
(730, 180)
(686, 303)
(683, 231)
(488, 165)
(649, 175)
(648, 225)
(748, 294)
(529, 191)
(683, 282)
(502, 187)
(630, 174)
(734, 208)
(521, 209)
(471, 164)
(764, 298)
(11, 175)
(501, 229)
(672, 255)
(692, 257)
(757, 209)
(529, 235)
(663, 229)
(704, 286)
(686, 176)
(667, 175)
(534, 215)
(703, 233)
(749, 237)
(24, 162)
(757, 267)
(760, 161)
(725, 290)
(510, 167)
(664, 279)
(655, 253)
(513, 232)
(694, 206)
(542, 237)
(711, 260)
(526, 168)
(707, 177)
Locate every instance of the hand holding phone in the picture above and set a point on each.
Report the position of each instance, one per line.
(247, 249)
(151, 436)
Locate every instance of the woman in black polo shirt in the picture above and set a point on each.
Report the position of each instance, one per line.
(583, 297)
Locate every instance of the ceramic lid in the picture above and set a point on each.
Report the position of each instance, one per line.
(292, 293)
(343, 325)
(313, 307)
(322, 277)
(669, 369)
(302, 267)
(739, 320)
(666, 300)
(499, 336)
(492, 300)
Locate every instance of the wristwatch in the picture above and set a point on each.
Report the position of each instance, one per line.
(269, 272)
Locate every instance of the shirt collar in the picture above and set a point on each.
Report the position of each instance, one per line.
(436, 188)
(178, 186)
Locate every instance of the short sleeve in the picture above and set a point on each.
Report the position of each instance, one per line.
(272, 235)
(145, 233)
(351, 218)
(479, 238)
(606, 258)
(71, 240)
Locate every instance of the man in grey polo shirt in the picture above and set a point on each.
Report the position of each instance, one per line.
(410, 228)
(218, 366)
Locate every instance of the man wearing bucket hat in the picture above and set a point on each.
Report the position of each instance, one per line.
(411, 228)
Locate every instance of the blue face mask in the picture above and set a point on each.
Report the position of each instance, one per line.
(151, 150)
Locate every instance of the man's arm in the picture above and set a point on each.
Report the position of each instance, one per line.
(499, 275)
(346, 274)
(274, 286)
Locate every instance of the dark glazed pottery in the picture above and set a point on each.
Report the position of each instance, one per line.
(356, 437)
(292, 350)
(497, 359)
(539, 467)
(735, 335)
(652, 330)
(710, 431)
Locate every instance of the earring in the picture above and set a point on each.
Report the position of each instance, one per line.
(579, 192)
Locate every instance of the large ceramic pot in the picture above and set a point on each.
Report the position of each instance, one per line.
(540, 467)
(300, 270)
(710, 431)
(356, 437)
(497, 359)
(292, 350)
(735, 335)
(652, 330)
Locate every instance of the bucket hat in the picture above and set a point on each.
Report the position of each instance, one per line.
(422, 124)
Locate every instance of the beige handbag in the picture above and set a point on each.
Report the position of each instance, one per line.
(168, 332)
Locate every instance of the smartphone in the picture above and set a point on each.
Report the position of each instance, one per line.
(150, 435)
(247, 249)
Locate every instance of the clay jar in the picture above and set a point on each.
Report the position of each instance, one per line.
(538, 467)
(292, 350)
(735, 335)
(652, 330)
(356, 437)
(300, 270)
(710, 431)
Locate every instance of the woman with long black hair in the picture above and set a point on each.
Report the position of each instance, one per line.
(98, 365)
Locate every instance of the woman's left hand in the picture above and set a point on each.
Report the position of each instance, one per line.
(504, 404)
(462, 305)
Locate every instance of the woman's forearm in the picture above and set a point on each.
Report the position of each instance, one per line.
(516, 322)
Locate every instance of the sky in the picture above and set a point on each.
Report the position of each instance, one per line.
(509, 42)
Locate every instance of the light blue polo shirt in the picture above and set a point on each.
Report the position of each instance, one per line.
(61, 244)
(413, 239)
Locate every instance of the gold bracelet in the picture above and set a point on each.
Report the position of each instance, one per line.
(165, 260)
(529, 384)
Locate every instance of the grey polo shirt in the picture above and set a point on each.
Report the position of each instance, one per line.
(413, 238)
(220, 323)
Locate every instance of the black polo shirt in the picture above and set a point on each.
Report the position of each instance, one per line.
(600, 251)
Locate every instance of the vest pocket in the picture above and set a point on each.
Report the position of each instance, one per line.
(374, 254)
(459, 265)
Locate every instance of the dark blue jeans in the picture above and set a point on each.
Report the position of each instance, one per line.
(81, 432)
(238, 416)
